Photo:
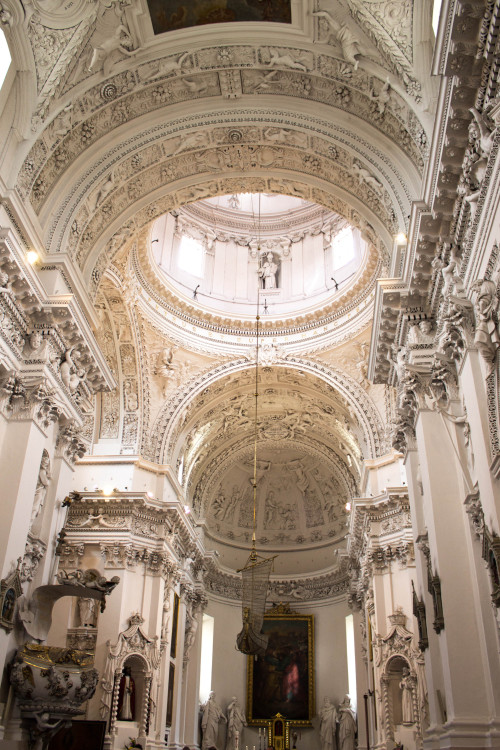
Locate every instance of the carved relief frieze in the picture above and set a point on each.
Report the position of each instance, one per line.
(153, 84)
(212, 158)
(327, 586)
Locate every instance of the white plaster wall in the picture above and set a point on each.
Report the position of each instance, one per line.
(229, 671)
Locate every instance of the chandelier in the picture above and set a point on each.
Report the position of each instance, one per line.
(255, 574)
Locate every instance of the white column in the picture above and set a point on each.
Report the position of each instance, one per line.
(458, 672)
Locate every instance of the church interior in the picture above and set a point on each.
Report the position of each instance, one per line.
(249, 321)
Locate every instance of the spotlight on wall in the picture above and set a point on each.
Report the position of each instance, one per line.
(187, 509)
(32, 257)
(107, 490)
(401, 239)
(195, 293)
(335, 282)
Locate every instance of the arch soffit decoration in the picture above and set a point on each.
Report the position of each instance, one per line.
(53, 154)
(163, 447)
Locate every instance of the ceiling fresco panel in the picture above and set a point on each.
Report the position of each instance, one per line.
(170, 15)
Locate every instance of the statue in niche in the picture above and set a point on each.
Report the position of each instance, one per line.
(235, 722)
(87, 610)
(406, 686)
(328, 725)
(268, 271)
(42, 484)
(126, 696)
(347, 728)
(212, 715)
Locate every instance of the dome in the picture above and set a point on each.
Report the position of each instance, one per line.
(228, 252)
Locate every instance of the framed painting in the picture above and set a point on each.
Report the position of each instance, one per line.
(282, 681)
(10, 590)
(170, 15)
(175, 621)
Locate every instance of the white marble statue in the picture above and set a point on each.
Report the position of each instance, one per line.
(328, 725)
(487, 335)
(212, 715)
(406, 697)
(343, 35)
(71, 374)
(267, 272)
(235, 722)
(42, 484)
(86, 611)
(347, 725)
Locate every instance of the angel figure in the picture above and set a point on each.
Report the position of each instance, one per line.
(343, 35)
(165, 367)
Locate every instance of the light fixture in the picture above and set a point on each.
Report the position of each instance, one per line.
(32, 257)
(255, 574)
(107, 490)
(401, 239)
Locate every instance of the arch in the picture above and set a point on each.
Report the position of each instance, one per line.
(161, 447)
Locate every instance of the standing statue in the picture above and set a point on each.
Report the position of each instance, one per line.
(212, 715)
(267, 272)
(42, 484)
(86, 610)
(347, 728)
(126, 696)
(406, 697)
(328, 725)
(235, 722)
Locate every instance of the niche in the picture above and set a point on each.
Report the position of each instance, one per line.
(397, 668)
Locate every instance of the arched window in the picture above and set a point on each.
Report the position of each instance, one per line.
(5, 58)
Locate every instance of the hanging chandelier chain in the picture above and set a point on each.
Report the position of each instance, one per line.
(254, 528)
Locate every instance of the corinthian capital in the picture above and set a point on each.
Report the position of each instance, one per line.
(69, 444)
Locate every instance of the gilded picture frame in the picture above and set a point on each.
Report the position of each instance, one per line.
(282, 681)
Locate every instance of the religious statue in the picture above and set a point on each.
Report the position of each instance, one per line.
(267, 272)
(406, 697)
(212, 715)
(126, 696)
(328, 725)
(235, 722)
(347, 728)
(42, 484)
(86, 610)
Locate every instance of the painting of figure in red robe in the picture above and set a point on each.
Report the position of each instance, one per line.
(282, 681)
(169, 15)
